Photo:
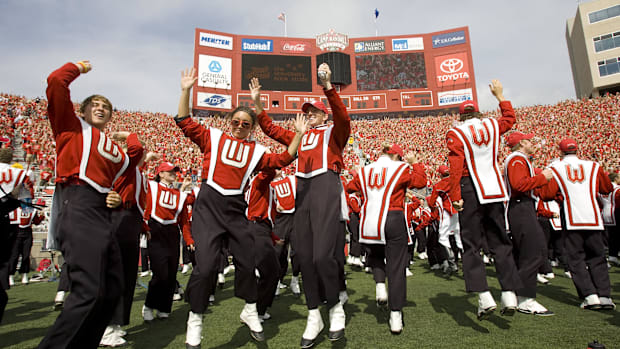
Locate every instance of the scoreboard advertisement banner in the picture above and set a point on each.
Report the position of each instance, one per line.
(383, 76)
(214, 71)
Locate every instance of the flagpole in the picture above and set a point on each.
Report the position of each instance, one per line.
(285, 35)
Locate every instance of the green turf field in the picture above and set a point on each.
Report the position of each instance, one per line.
(439, 314)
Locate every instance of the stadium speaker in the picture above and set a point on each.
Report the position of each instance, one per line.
(339, 63)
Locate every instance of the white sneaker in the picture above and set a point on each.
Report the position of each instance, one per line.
(508, 302)
(408, 272)
(228, 269)
(343, 297)
(592, 302)
(486, 260)
(119, 330)
(162, 315)
(25, 279)
(368, 270)
(221, 279)
(193, 335)
(295, 285)
(554, 263)
(59, 300)
(11, 281)
(613, 260)
(177, 297)
(422, 255)
(486, 304)
(337, 319)
(350, 260)
(549, 276)
(358, 262)
(185, 269)
(568, 274)
(531, 306)
(277, 293)
(111, 338)
(144, 273)
(314, 326)
(607, 303)
(381, 294)
(264, 317)
(147, 313)
(396, 322)
(435, 266)
(281, 285)
(249, 316)
(211, 299)
(540, 278)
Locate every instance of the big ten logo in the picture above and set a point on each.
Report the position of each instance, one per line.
(575, 175)
(309, 141)
(235, 153)
(168, 200)
(283, 190)
(377, 180)
(480, 136)
(108, 149)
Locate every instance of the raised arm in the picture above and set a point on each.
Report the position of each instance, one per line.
(60, 108)
(342, 121)
(255, 93)
(190, 128)
(508, 118)
(301, 126)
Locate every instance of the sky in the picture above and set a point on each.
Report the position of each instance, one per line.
(138, 47)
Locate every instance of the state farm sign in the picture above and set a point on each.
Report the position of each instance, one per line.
(452, 68)
(295, 47)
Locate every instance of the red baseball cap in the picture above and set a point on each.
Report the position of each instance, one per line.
(516, 137)
(315, 103)
(396, 149)
(166, 166)
(468, 106)
(443, 170)
(568, 144)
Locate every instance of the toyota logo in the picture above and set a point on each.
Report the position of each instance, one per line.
(451, 65)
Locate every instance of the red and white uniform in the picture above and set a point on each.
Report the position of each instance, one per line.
(551, 207)
(28, 218)
(285, 191)
(579, 181)
(260, 198)
(383, 185)
(167, 206)
(228, 161)
(83, 151)
(609, 204)
(132, 185)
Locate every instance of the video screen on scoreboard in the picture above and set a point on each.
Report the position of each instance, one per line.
(277, 73)
(400, 71)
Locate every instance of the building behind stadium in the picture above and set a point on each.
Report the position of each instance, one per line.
(593, 39)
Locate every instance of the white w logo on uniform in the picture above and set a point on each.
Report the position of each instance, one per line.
(108, 149)
(168, 200)
(283, 190)
(309, 141)
(235, 153)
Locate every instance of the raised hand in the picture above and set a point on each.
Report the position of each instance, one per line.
(411, 158)
(497, 89)
(188, 78)
(255, 87)
(301, 123)
(84, 66)
(326, 78)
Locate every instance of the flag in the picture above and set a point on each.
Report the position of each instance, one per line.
(376, 14)
(282, 16)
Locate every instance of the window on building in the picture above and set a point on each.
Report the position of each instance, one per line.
(609, 67)
(604, 14)
(606, 42)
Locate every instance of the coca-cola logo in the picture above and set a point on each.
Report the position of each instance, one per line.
(295, 47)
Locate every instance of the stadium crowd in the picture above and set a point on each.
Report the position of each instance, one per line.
(593, 123)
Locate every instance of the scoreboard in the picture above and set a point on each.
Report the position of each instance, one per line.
(389, 75)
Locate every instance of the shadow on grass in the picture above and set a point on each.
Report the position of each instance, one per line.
(27, 311)
(22, 335)
(463, 313)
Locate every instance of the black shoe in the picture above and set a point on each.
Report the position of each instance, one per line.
(258, 336)
(335, 335)
(307, 343)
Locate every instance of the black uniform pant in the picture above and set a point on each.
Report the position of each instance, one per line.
(436, 254)
(8, 235)
(164, 257)
(528, 241)
(355, 249)
(478, 220)
(63, 281)
(315, 239)
(217, 217)
(613, 233)
(21, 247)
(585, 255)
(394, 252)
(267, 264)
(420, 237)
(545, 225)
(144, 258)
(128, 226)
(92, 255)
(283, 229)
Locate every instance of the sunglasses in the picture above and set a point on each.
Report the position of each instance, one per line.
(243, 124)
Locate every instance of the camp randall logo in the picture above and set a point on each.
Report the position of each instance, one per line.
(332, 41)
(451, 68)
(214, 100)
